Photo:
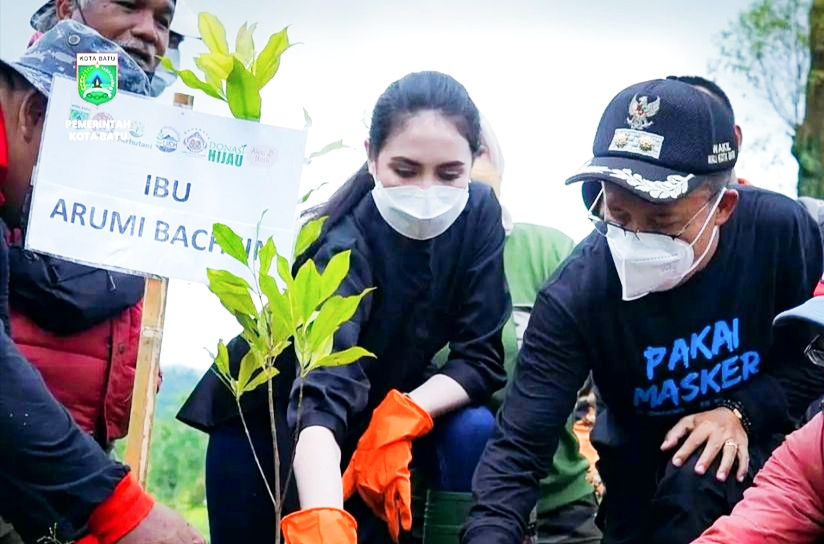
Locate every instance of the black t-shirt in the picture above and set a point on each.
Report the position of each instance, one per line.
(654, 359)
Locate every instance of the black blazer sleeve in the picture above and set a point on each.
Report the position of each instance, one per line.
(476, 351)
(331, 395)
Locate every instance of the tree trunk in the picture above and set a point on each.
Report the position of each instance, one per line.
(807, 144)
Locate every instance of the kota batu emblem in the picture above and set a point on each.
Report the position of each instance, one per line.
(167, 139)
(640, 110)
(97, 77)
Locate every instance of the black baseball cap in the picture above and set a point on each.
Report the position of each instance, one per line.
(659, 139)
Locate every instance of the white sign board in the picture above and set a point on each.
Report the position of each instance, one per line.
(135, 185)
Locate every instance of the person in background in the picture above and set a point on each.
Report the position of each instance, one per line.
(55, 482)
(785, 505)
(567, 505)
(184, 25)
(141, 28)
(669, 303)
(432, 245)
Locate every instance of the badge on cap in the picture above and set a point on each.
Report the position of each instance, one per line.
(640, 111)
(97, 77)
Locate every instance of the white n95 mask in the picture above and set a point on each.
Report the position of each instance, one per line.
(650, 263)
(420, 214)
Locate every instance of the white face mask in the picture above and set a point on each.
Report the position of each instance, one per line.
(650, 263)
(162, 77)
(420, 214)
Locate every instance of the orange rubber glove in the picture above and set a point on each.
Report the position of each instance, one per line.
(379, 469)
(320, 526)
(88, 539)
(118, 515)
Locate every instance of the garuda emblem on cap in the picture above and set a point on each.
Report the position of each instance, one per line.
(640, 110)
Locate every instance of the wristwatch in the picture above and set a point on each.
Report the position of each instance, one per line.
(738, 410)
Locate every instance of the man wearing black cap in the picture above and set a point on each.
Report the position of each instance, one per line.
(669, 303)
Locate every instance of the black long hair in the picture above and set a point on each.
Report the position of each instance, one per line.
(414, 93)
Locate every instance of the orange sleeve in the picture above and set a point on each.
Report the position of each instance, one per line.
(118, 515)
(784, 506)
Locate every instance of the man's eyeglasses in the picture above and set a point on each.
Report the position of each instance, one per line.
(814, 352)
(602, 224)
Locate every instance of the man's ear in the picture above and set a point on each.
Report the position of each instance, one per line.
(727, 205)
(31, 114)
(64, 8)
(739, 137)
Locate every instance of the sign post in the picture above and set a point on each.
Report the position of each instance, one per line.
(139, 438)
(144, 395)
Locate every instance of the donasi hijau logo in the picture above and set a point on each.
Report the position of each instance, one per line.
(97, 77)
(226, 154)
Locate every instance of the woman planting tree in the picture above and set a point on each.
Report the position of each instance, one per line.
(431, 244)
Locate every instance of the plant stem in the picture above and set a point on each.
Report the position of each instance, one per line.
(297, 426)
(255, 455)
(281, 494)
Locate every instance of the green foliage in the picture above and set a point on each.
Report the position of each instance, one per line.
(324, 150)
(178, 452)
(234, 77)
(768, 47)
(307, 312)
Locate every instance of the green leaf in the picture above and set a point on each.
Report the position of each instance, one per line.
(245, 321)
(307, 120)
(279, 308)
(335, 272)
(326, 149)
(242, 93)
(258, 245)
(248, 365)
(222, 360)
(268, 62)
(191, 80)
(285, 271)
(340, 358)
(308, 234)
(262, 377)
(334, 312)
(230, 242)
(233, 291)
(245, 44)
(266, 255)
(305, 294)
(228, 381)
(213, 33)
(308, 194)
(216, 66)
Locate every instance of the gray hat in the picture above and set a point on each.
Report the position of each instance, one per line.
(811, 312)
(56, 53)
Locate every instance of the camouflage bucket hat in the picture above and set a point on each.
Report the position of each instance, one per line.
(44, 18)
(56, 53)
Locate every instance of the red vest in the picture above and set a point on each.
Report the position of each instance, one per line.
(91, 373)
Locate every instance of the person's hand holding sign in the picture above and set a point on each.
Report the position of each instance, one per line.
(720, 431)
